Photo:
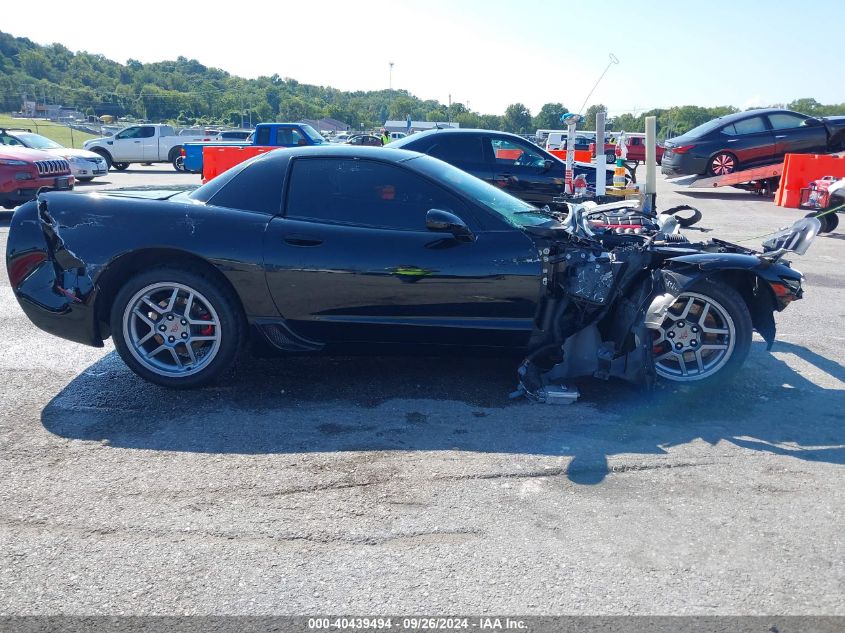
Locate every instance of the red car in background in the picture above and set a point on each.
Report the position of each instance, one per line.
(24, 171)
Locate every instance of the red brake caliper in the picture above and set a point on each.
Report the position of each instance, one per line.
(207, 330)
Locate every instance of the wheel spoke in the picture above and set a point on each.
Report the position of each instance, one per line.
(211, 321)
(704, 312)
(699, 361)
(713, 346)
(203, 338)
(188, 305)
(686, 309)
(146, 337)
(157, 350)
(144, 318)
(176, 358)
(683, 365)
(146, 299)
(714, 330)
(191, 354)
(172, 303)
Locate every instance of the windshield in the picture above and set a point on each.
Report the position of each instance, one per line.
(512, 210)
(36, 141)
(313, 134)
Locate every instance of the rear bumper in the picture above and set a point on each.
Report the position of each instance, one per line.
(56, 294)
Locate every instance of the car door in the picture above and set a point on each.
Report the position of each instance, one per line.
(750, 140)
(351, 261)
(127, 144)
(793, 135)
(521, 170)
(150, 143)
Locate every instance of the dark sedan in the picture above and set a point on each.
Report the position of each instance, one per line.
(505, 160)
(750, 139)
(370, 250)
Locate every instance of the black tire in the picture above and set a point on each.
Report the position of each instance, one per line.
(687, 220)
(610, 157)
(105, 155)
(722, 164)
(120, 166)
(178, 162)
(719, 367)
(832, 222)
(226, 320)
(86, 179)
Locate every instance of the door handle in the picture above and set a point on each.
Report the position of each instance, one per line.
(780, 136)
(303, 240)
(137, 141)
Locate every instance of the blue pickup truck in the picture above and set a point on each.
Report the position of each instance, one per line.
(265, 135)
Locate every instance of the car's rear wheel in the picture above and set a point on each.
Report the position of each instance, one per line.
(120, 166)
(178, 162)
(177, 328)
(706, 333)
(722, 164)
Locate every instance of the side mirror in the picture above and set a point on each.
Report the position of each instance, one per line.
(446, 222)
(548, 164)
(812, 122)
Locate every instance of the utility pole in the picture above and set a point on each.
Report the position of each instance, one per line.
(390, 79)
(450, 107)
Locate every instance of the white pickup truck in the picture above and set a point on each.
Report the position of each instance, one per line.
(147, 143)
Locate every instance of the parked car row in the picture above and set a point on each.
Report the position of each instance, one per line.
(84, 165)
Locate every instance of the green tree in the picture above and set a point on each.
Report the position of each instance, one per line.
(517, 119)
(548, 118)
(589, 122)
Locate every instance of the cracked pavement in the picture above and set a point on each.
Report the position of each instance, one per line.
(388, 485)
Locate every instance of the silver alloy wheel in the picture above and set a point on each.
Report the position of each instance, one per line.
(695, 340)
(723, 164)
(171, 329)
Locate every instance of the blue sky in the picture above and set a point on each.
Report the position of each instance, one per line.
(488, 53)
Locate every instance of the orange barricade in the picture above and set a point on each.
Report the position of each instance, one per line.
(216, 160)
(799, 170)
(581, 155)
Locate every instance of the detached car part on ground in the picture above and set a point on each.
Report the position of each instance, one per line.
(373, 250)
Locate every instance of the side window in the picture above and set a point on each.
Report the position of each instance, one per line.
(364, 192)
(783, 121)
(130, 132)
(167, 131)
(510, 153)
(750, 126)
(262, 136)
(297, 138)
(5, 139)
(729, 130)
(147, 132)
(461, 148)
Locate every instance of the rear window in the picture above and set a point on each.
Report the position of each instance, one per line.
(746, 126)
(255, 185)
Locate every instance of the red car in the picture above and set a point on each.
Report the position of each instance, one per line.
(24, 171)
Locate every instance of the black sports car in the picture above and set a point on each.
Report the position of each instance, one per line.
(748, 139)
(505, 160)
(366, 250)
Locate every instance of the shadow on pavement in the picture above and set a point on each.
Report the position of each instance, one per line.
(312, 404)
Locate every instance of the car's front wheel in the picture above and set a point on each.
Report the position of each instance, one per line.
(706, 333)
(176, 327)
(120, 166)
(722, 164)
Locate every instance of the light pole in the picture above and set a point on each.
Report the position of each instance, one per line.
(390, 81)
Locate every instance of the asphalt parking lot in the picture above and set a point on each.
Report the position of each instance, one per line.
(413, 485)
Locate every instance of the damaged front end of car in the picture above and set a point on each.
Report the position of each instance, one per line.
(613, 275)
